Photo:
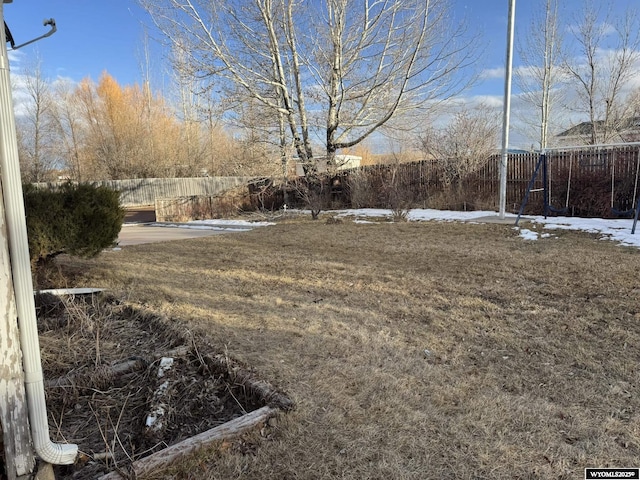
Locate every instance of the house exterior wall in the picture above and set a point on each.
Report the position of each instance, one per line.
(343, 162)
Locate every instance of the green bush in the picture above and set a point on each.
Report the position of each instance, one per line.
(80, 220)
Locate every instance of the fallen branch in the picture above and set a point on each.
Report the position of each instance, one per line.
(104, 375)
(100, 377)
(103, 456)
(179, 352)
(261, 389)
(168, 456)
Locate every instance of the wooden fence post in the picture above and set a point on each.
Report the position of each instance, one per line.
(14, 418)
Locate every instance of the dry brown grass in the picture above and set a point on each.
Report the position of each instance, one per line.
(531, 369)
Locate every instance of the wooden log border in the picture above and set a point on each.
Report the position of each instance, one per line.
(169, 455)
(237, 373)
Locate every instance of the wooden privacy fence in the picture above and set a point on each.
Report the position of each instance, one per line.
(594, 182)
(588, 181)
(201, 207)
(421, 183)
(145, 191)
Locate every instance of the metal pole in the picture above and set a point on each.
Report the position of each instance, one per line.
(507, 110)
(545, 182)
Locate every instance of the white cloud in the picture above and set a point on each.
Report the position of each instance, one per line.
(604, 28)
(15, 57)
(19, 94)
(490, 101)
(607, 28)
(473, 101)
(19, 71)
(489, 73)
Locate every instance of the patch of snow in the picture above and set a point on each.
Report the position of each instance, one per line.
(154, 421)
(528, 234)
(221, 222)
(217, 224)
(618, 230)
(165, 365)
(151, 420)
(364, 221)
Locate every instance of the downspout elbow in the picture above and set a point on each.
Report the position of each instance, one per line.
(53, 453)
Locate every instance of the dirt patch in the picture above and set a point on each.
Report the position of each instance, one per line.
(124, 383)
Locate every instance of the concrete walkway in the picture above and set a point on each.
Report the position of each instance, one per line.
(508, 219)
(136, 234)
(139, 227)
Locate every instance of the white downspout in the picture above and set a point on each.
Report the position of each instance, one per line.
(57, 454)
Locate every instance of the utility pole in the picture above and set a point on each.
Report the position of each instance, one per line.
(507, 110)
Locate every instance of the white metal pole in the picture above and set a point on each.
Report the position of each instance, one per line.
(21, 271)
(507, 110)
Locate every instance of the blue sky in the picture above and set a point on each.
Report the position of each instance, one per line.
(95, 36)
(490, 16)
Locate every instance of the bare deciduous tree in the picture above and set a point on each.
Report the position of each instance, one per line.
(193, 137)
(70, 129)
(381, 62)
(36, 126)
(358, 63)
(605, 61)
(540, 77)
(126, 132)
(260, 134)
(464, 145)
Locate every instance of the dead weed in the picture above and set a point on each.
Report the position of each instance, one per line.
(123, 383)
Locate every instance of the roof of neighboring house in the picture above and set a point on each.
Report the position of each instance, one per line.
(584, 128)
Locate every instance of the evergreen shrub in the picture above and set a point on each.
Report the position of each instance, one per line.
(78, 219)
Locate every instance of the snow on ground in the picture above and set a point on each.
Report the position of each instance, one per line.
(618, 230)
(615, 230)
(217, 224)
